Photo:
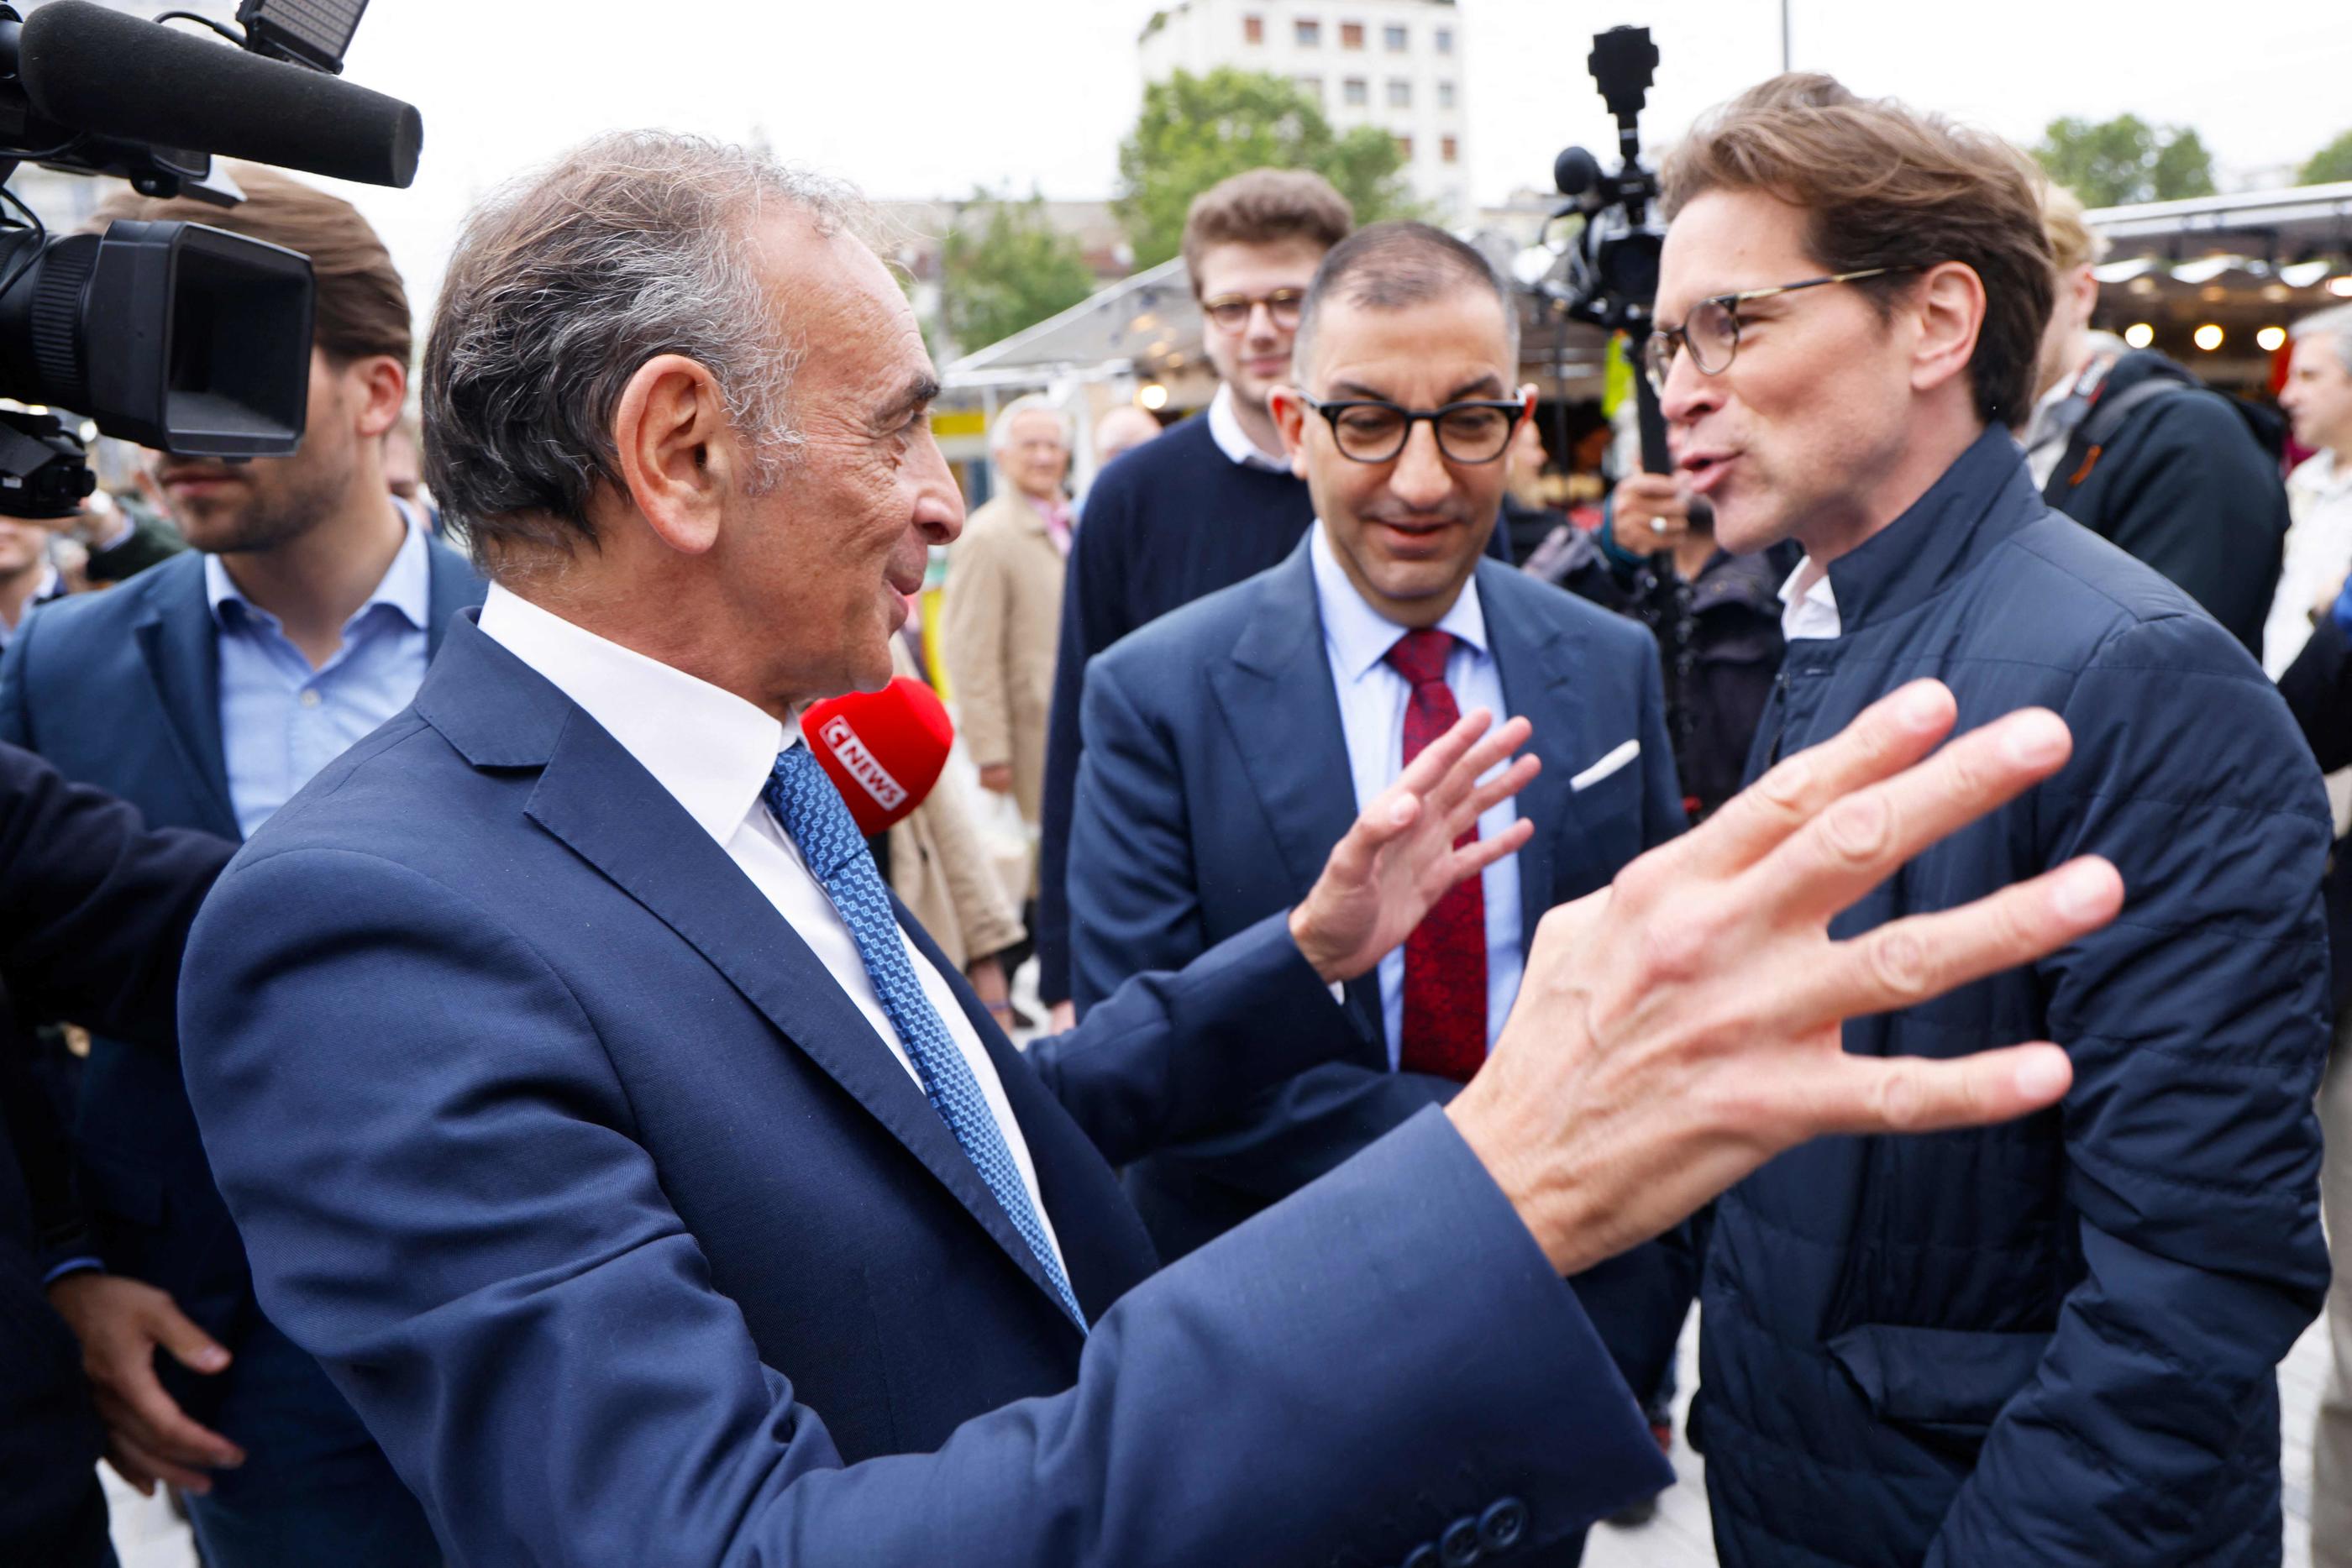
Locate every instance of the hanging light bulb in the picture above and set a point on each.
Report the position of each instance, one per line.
(1153, 396)
(2271, 339)
(2139, 334)
(2208, 336)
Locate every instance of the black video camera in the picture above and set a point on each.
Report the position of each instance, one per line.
(1613, 274)
(173, 335)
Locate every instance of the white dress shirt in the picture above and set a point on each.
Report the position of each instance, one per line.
(1808, 606)
(2318, 553)
(1373, 699)
(712, 751)
(1225, 430)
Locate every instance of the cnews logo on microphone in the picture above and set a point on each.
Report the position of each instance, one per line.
(872, 776)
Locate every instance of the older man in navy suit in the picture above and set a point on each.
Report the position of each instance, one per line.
(658, 1194)
(206, 692)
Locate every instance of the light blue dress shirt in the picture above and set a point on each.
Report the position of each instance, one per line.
(1372, 699)
(281, 721)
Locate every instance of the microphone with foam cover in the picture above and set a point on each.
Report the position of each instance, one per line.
(883, 749)
(101, 73)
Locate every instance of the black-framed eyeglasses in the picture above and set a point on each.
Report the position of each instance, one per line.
(1711, 331)
(1231, 312)
(1370, 431)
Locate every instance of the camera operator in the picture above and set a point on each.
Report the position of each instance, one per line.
(206, 692)
(95, 913)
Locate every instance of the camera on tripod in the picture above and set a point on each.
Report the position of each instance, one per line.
(175, 336)
(1612, 273)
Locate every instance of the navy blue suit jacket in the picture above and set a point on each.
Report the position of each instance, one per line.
(602, 1204)
(122, 690)
(1217, 781)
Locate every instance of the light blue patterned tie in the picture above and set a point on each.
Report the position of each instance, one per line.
(811, 809)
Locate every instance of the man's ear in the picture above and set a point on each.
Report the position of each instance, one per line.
(1288, 408)
(675, 445)
(382, 383)
(1950, 306)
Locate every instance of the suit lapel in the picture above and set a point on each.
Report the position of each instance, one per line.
(596, 798)
(1275, 693)
(1541, 664)
(1104, 1245)
(176, 643)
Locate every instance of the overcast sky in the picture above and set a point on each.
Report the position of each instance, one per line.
(920, 98)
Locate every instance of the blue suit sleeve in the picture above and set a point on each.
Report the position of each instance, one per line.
(1132, 882)
(2197, 1024)
(432, 1163)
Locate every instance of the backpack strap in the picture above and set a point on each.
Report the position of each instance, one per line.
(2099, 427)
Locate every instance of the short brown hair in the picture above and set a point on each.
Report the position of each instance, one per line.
(361, 307)
(1265, 206)
(1888, 187)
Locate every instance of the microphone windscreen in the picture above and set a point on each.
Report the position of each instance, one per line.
(99, 71)
(883, 749)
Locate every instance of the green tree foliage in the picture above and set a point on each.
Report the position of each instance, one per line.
(2112, 163)
(1196, 130)
(1005, 267)
(2331, 162)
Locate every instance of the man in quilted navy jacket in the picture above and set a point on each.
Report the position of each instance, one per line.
(2051, 1341)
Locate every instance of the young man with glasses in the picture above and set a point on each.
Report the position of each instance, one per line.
(2054, 1343)
(1229, 744)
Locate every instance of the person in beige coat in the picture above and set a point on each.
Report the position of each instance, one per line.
(1001, 617)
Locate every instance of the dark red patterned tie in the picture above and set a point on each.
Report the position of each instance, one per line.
(1445, 958)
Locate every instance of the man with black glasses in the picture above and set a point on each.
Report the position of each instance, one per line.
(2054, 1343)
(1229, 744)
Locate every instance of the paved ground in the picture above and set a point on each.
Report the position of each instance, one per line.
(147, 1536)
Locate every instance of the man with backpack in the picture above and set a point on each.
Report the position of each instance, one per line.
(2137, 450)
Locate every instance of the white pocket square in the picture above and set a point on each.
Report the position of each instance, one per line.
(1605, 766)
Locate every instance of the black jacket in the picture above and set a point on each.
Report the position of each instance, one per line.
(2318, 691)
(94, 910)
(2184, 484)
(2049, 1341)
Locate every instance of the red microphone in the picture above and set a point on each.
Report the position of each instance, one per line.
(883, 749)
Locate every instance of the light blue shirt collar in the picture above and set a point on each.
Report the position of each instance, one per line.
(1360, 636)
(406, 585)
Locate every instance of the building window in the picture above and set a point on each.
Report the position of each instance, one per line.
(1308, 33)
(1353, 93)
(1446, 95)
(1253, 30)
(1400, 93)
(1394, 39)
(1449, 150)
(1404, 148)
(1313, 88)
(1351, 35)
(1445, 40)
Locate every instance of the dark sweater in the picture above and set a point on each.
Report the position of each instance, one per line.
(1167, 523)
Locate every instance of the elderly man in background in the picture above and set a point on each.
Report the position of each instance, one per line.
(2317, 685)
(1001, 619)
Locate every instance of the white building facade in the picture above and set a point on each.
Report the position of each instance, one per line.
(1394, 64)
